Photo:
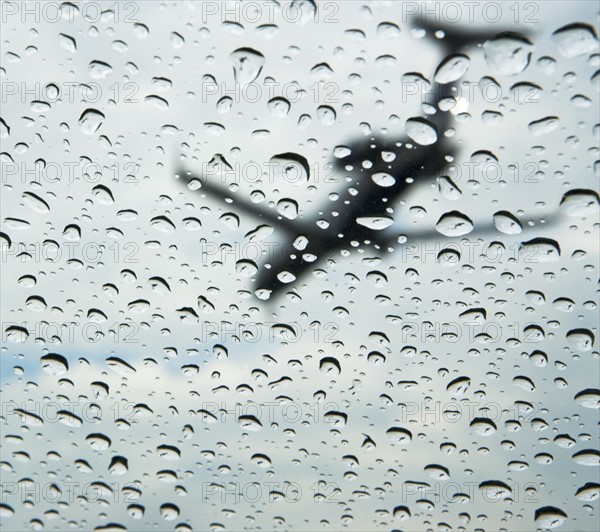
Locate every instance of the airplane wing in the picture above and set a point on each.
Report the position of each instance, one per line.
(385, 240)
(397, 238)
(209, 188)
(324, 247)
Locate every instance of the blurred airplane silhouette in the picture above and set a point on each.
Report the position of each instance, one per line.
(362, 197)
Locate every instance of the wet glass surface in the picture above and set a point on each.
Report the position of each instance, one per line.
(296, 265)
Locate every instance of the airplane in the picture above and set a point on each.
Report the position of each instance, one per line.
(362, 197)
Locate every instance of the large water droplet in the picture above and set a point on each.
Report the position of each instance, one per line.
(375, 222)
(579, 203)
(507, 54)
(575, 40)
(90, 121)
(452, 68)
(247, 64)
(421, 131)
(454, 224)
(507, 223)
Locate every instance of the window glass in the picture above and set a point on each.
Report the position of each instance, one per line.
(296, 265)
